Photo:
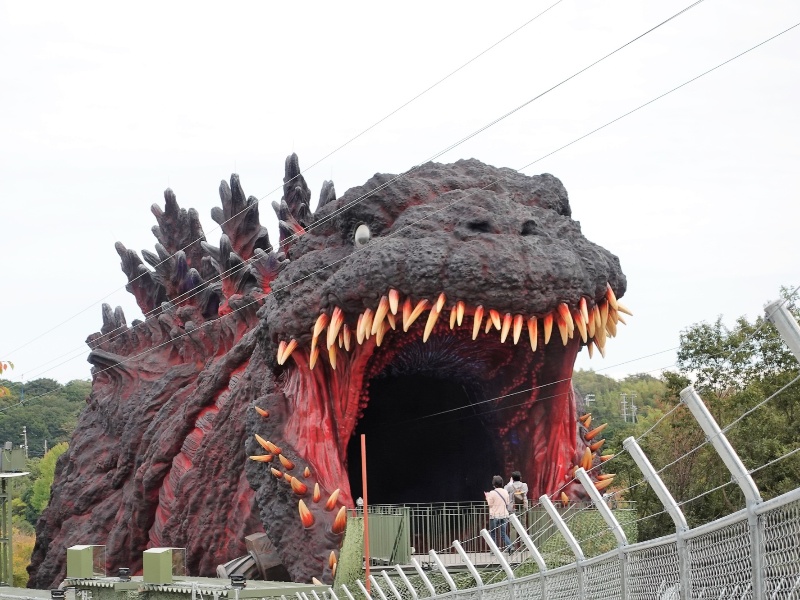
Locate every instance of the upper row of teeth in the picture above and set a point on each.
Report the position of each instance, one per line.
(605, 313)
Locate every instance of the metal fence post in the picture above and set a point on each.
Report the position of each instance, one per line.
(391, 585)
(377, 587)
(568, 537)
(347, 592)
(613, 525)
(470, 567)
(537, 557)
(423, 577)
(740, 475)
(363, 589)
(786, 324)
(498, 553)
(406, 581)
(674, 511)
(443, 571)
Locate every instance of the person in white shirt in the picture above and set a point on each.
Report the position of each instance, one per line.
(497, 500)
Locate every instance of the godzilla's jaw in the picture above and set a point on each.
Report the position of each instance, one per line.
(431, 392)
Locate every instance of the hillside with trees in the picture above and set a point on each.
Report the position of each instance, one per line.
(748, 379)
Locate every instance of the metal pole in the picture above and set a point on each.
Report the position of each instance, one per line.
(391, 585)
(526, 539)
(740, 475)
(366, 505)
(347, 592)
(470, 567)
(377, 587)
(363, 589)
(570, 539)
(423, 577)
(613, 524)
(672, 508)
(406, 581)
(443, 571)
(498, 553)
(787, 326)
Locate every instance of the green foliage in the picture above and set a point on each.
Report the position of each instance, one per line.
(49, 411)
(23, 548)
(734, 369)
(351, 556)
(40, 494)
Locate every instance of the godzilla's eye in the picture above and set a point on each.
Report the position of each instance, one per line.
(362, 235)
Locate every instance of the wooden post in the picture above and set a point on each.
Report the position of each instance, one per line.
(366, 505)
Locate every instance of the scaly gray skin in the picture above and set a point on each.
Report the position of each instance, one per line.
(159, 457)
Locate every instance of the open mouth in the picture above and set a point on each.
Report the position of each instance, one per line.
(447, 395)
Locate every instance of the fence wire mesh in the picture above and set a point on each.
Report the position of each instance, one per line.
(781, 550)
(720, 561)
(653, 570)
(603, 580)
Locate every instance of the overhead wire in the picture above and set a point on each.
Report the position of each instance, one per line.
(438, 154)
(454, 202)
(317, 162)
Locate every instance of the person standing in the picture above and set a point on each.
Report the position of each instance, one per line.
(498, 501)
(518, 498)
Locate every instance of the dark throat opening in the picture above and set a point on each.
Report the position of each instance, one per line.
(413, 456)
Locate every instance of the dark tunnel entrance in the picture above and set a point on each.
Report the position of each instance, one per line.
(443, 458)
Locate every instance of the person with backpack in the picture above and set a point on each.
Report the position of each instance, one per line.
(518, 498)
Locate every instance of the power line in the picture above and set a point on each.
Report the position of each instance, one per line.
(454, 202)
(325, 157)
(361, 198)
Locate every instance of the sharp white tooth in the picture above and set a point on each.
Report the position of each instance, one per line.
(360, 329)
(590, 348)
(590, 323)
(382, 329)
(611, 296)
(336, 321)
(341, 339)
(322, 321)
(584, 309)
(380, 314)
(440, 302)
(533, 332)
(495, 317)
(452, 317)
(566, 316)
(488, 325)
(281, 350)
(518, 319)
(406, 314)
(312, 359)
(506, 328)
(332, 356)
(624, 309)
(394, 301)
(290, 347)
(580, 325)
(459, 312)
(547, 321)
(392, 320)
(476, 325)
(346, 331)
(368, 314)
(562, 328)
(432, 317)
(604, 313)
(621, 320)
(421, 306)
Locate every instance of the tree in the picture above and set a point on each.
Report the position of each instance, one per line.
(40, 494)
(5, 365)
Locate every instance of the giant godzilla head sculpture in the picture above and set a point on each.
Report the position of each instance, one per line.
(439, 313)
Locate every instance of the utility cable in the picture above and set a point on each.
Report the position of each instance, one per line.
(325, 157)
(358, 200)
(449, 205)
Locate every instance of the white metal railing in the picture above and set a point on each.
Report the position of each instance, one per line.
(753, 554)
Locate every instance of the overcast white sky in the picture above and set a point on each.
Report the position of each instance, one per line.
(103, 106)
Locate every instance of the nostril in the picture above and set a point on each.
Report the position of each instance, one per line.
(529, 228)
(479, 226)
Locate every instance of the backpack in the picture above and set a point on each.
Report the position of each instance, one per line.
(518, 501)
